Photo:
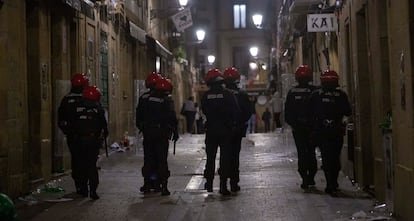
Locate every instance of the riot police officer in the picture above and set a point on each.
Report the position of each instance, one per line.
(330, 105)
(90, 128)
(299, 117)
(66, 114)
(159, 125)
(220, 108)
(232, 79)
(149, 170)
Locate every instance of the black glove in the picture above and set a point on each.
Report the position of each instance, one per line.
(105, 133)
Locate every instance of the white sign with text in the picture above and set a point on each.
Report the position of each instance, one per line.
(322, 22)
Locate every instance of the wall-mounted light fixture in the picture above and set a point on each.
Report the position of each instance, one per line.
(183, 3)
(339, 3)
(253, 65)
(200, 34)
(211, 59)
(254, 51)
(257, 20)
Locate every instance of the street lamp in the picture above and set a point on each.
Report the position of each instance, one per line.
(257, 20)
(211, 59)
(253, 65)
(201, 34)
(183, 3)
(254, 51)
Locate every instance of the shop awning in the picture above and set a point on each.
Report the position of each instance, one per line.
(137, 32)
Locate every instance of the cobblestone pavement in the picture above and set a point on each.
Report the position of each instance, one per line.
(270, 189)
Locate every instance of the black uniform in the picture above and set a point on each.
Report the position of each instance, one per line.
(329, 106)
(220, 107)
(149, 169)
(246, 111)
(66, 116)
(299, 116)
(89, 128)
(158, 123)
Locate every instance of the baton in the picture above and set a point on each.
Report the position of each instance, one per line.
(106, 148)
(175, 142)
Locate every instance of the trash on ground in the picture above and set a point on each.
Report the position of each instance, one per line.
(52, 191)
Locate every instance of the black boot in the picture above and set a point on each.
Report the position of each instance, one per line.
(92, 190)
(83, 192)
(81, 188)
(156, 186)
(234, 187)
(164, 189)
(209, 185)
(223, 187)
(146, 188)
(304, 176)
(93, 195)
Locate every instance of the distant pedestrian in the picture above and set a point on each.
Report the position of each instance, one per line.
(251, 123)
(266, 116)
(189, 113)
(66, 117)
(232, 79)
(277, 108)
(220, 107)
(330, 105)
(199, 119)
(299, 116)
(91, 129)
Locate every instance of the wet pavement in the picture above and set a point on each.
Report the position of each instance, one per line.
(270, 189)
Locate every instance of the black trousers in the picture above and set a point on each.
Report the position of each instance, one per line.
(88, 147)
(216, 137)
(156, 153)
(331, 145)
(236, 140)
(75, 158)
(307, 164)
(190, 118)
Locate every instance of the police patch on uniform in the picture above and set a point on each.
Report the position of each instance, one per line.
(215, 96)
(295, 89)
(156, 99)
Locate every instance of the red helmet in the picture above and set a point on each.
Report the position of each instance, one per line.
(164, 84)
(152, 79)
(79, 80)
(329, 77)
(303, 73)
(92, 93)
(213, 75)
(231, 74)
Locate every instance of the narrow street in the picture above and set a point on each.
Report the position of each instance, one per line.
(270, 189)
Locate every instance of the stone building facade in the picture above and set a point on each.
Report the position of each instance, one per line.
(372, 52)
(44, 42)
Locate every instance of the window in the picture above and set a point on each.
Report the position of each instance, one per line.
(239, 13)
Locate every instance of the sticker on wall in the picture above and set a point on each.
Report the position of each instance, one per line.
(402, 82)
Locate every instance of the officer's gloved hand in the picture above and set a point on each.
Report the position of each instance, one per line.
(105, 133)
(175, 137)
